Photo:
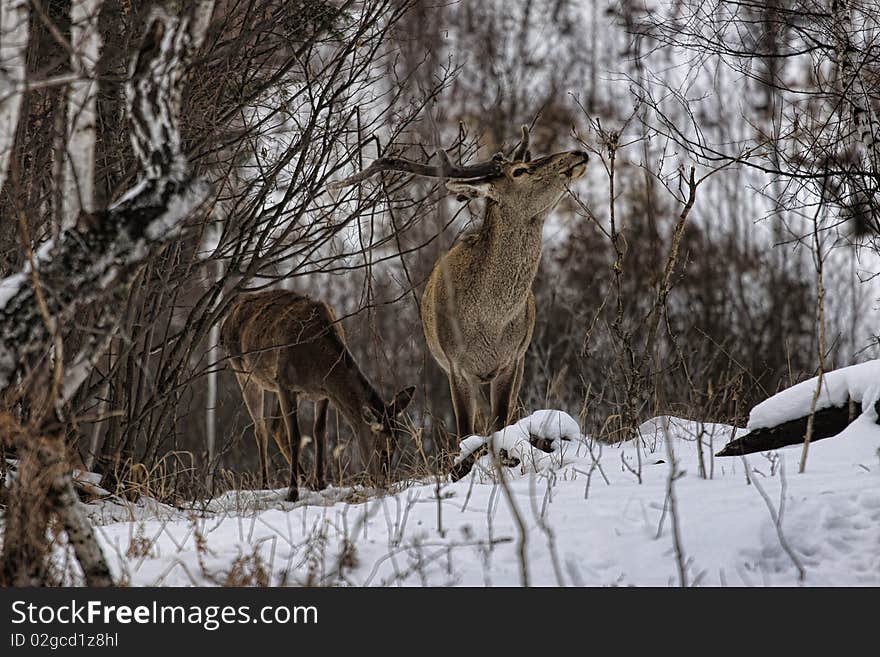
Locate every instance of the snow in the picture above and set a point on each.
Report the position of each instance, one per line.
(552, 427)
(861, 383)
(10, 286)
(177, 208)
(589, 520)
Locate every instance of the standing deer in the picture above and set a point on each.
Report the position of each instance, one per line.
(293, 346)
(478, 310)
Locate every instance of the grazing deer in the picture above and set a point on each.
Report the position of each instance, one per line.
(478, 310)
(291, 345)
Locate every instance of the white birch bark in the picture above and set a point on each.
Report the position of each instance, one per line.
(13, 69)
(79, 162)
(214, 356)
(862, 119)
(82, 267)
(201, 17)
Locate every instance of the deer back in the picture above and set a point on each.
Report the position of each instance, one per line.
(284, 338)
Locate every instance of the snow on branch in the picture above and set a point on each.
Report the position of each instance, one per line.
(88, 262)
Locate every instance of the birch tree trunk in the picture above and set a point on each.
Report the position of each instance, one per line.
(862, 119)
(13, 68)
(215, 354)
(77, 189)
(86, 265)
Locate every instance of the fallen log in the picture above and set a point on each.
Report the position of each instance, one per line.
(827, 423)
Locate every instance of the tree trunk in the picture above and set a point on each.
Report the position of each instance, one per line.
(13, 67)
(85, 266)
(862, 119)
(78, 186)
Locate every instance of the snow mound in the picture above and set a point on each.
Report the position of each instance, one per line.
(248, 501)
(550, 425)
(861, 383)
(653, 431)
(535, 441)
(113, 509)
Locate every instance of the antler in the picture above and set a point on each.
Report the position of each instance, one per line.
(521, 150)
(444, 169)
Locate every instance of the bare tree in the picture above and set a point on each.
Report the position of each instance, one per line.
(271, 113)
(89, 263)
(819, 118)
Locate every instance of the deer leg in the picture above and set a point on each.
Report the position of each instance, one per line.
(514, 389)
(253, 399)
(504, 393)
(287, 401)
(464, 404)
(274, 430)
(320, 436)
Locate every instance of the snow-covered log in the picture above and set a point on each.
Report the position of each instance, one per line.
(88, 262)
(13, 68)
(826, 423)
(782, 419)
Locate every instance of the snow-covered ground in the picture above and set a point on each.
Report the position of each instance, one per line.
(593, 514)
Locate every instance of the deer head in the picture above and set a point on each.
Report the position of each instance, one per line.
(384, 425)
(515, 181)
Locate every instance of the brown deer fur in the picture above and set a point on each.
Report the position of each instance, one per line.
(288, 344)
(478, 310)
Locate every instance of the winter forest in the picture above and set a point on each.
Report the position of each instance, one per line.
(408, 293)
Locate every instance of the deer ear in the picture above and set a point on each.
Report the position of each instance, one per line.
(466, 190)
(369, 417)
(401, 401)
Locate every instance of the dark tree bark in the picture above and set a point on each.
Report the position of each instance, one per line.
(827, 423)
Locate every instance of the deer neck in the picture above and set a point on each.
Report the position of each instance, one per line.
(510, 253)
(351, 392)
